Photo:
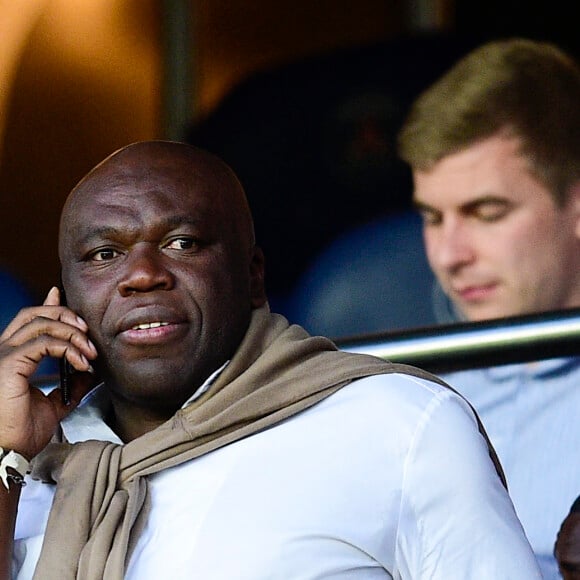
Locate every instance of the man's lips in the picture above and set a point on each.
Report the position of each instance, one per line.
(150, 324)
(475, 292)
(154, 332)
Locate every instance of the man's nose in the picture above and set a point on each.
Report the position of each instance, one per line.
(451, 245)
(145, 269)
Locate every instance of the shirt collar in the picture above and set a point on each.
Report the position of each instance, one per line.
(535, 369)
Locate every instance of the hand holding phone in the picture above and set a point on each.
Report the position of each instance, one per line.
(27, 419)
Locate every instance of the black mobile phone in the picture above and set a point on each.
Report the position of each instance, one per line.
(64, 367)
(65, 372)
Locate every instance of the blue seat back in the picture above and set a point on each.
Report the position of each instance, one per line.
(373, 278)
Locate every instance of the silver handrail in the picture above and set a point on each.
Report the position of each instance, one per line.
(469, 345)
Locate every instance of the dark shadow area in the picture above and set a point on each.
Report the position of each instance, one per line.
(555, 21)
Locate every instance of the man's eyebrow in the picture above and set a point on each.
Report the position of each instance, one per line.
(102, 232)
(111, 232)
(468, 206)
(420, 206)
(176, 221)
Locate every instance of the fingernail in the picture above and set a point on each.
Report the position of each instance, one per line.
(50, 293)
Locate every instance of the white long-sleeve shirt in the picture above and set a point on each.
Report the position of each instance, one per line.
(387, 478)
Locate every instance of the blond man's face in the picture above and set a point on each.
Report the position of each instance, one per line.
(496, 240)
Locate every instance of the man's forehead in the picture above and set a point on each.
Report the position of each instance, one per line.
(148, 185)
(132, 203)
(158, 178)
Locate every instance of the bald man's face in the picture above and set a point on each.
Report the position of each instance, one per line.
(158, 257)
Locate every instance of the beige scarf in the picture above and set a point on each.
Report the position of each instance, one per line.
(101, 496)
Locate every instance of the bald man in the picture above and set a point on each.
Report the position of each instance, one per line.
(207, 437)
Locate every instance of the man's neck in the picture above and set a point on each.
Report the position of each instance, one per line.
(129, 420)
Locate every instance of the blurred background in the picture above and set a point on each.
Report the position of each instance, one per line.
(302, 98)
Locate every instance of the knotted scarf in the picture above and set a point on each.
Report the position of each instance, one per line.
(101, 497)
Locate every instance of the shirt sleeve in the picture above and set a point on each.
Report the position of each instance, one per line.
(33, 510)
(456, 518)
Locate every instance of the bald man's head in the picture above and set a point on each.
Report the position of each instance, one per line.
(161, 232)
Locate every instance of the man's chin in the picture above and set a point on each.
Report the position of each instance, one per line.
(482, 312)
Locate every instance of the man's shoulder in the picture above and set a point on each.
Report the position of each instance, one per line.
(540, 370)
(398, 387)
(374, 365)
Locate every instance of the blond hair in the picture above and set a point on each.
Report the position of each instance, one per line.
(522, 87)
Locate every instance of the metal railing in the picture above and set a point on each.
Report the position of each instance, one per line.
(470, 345)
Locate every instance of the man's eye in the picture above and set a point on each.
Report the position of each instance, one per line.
(181, 244)
(491, 212)
(104, 255)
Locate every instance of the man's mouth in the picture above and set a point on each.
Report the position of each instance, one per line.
(475, 293)
(151, 324)
(157, 332)
(148, 325)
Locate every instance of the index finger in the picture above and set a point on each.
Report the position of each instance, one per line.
(53, 297)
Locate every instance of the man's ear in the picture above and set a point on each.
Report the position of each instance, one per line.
(257, 284)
